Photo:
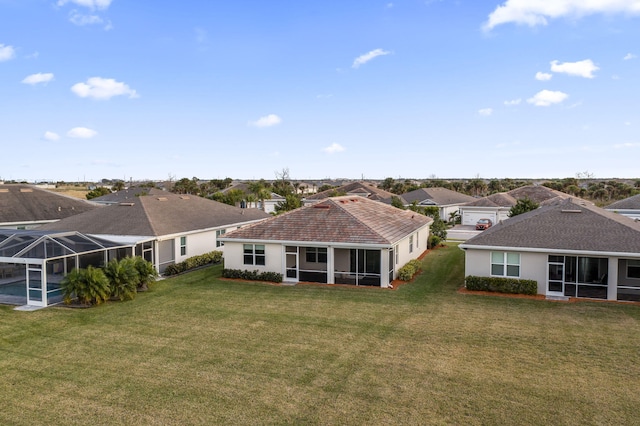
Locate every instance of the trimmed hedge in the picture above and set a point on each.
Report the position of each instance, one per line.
(409, 270)
(501, 285)
(273, 277)
(194, 262)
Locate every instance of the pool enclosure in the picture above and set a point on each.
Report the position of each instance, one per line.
(33, 263)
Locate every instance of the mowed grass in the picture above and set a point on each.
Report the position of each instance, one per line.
(200, 350)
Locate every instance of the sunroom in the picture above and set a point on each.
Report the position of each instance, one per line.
(33, 263)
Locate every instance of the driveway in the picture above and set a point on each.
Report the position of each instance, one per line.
(462, 232)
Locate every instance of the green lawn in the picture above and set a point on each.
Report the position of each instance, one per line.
(198, 350)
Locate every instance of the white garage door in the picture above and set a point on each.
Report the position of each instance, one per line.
(471, 217)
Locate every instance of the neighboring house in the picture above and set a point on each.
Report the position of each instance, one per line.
(127, 195)
(572, 249)
(497, 206)
(27, 207)
(165, 229)
(341, 240)
(33, 262)
(629, 207)
(360, 189)
(268, 205)
(446, 200)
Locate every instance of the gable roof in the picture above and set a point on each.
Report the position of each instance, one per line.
(125, 195)
(26, 203)
(158, 215)
(537, 193)
(346, 219)
(569, 225)
(363, 189)
(631, 203)
(439, 196)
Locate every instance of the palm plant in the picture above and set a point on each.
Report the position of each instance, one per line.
(147, 273)
(89, 286)
(123, 278)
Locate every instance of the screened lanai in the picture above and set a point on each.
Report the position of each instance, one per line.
(33, 263)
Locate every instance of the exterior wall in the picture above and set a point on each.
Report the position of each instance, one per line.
(470, 215)
(234, 257)
(533, 266)
(198, 243)
(420, 237)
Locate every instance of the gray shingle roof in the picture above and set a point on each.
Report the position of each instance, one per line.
(127, 195)
(537, 193)
(440, 196)
(158, 215)
(26, 203)
(371, 191)
(569, 225)
(631, 203)
(346, 219)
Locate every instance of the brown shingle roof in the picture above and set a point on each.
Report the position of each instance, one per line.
(26, 203)
(158, 215)
(569, 225)
(346, 219)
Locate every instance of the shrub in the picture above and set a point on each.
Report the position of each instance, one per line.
(123, 278)
(194, 262)
(434, 241)
(501, 285)
(274, 277)
(147, 273)
(409, 270)
(90, 286)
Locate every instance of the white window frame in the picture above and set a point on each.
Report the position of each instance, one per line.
(219, 233)
(411, 243)
(505, 260)
(254, 254)
(183, 245)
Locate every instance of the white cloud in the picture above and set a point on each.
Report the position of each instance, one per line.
(103, 88)
(584, 68)
(547, 98)
(513, 102)
(537, 12)
(91, 4)
(333, 148)
(6, 52)
(363, 59)
(485, 112)
(81, 133)
(34, 79)
(266, 121)
(82, 20)
(629, 56)
(543, 76)
(50, 136)
(627, 145)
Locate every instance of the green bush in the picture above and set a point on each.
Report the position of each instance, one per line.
(194, 262)
(434, 241)
(274, 277)
(147, 273)
(407, 272)
(501, 285)
(89, 286)
(123, 278)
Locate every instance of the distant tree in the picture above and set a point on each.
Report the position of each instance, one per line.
(282, 184)
(523, 205)
(98, 192)
(291, 202)
(325, 187)
(186, 186)
(387, 184)
(397, 202)
(117, 185)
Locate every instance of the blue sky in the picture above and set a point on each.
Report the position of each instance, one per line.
(94, 89)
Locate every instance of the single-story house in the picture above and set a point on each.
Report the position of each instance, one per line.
(26, 206)
(447, 201)
(33, 262)
(165, 229)
(360, 189)
(629, 207)
(572, 249)
(497, 206)
(268, 205)
(341, 240)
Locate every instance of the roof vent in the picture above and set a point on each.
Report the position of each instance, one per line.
(184, 197)
(26, 190)
(4, 190)
(162, 198)
(320, 206)
(127, 204)
(571, 211)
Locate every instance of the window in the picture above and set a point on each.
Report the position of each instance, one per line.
(219, 233)
(417, 239)
(397, 253)
(254, 254)
(183, 246)
(505, 264)
(411, 244)
(633, 269)
(316, 254)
